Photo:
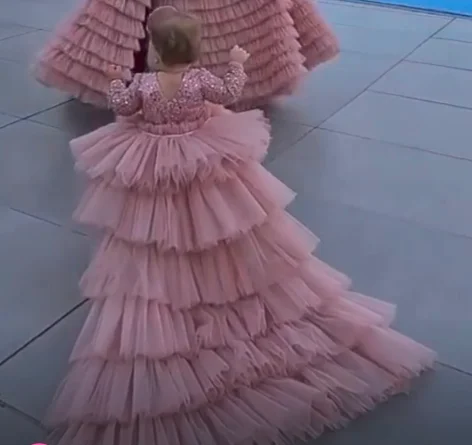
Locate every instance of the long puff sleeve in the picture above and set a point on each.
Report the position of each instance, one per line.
(223, 91)
(122, 100)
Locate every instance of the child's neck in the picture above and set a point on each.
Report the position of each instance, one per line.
(170, 81)
(176, 69)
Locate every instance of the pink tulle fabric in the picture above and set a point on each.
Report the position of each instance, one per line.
(211, 322)
(285, 38)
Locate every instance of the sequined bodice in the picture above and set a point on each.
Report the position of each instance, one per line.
(186, 110)
(187, 104)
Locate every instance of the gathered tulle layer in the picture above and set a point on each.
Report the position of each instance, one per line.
(79, 34)
(100, 33)
(267, 73)
(126, 329)
(93, 390)
(275, 412)
(263, 17)
(126, 37)
(118, 19)
(82, 63)
(225, 273)
(99, 56)
(194, 219)
(49, 76)
(318, 43)
(227, 9)
(274, 31)
(122, 153)
(136, 9)
(58, 61)
(286, 52)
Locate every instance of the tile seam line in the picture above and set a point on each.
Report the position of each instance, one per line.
(4, 404)
(452, 39)
(417, 99)
(41, 333)
(388, 70)
(377, 6)
(6, 59)
(52, 107)
(410, 9)
(30, 31)
(454, 368)
(36, 113)
(402, 219)
(396, 144)
(65, 226)
(308, 131)
(420, 62)
(320, 124)
(15, 121)
(405, 57)
(36, 217)
(398, 218)
(392, 30)
(34, 28)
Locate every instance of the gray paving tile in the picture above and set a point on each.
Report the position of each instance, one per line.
(379, 42)
(284, 135)
(75, 118)
(436, 410)
(15, 429)
(330, 87)
(8, 30)
(385, 178)
(41, 266)
(35, 14)
(368, 16)
(22, 49)
(459, 29)
(36, 171)
(428, 82)
(429, 126)
(48, 356)
(445, 52)
(426, 272)
(21, 94)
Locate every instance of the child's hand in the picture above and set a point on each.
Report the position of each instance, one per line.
(238, 55)
(115, 73)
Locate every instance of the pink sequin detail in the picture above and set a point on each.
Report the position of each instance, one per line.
(186, 111)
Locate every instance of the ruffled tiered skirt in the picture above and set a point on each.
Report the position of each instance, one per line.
(284, 37)
(211, 322)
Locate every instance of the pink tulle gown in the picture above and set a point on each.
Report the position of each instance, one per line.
(284, 37)
(211, 322)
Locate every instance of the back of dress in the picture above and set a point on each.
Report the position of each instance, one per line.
(186, 109)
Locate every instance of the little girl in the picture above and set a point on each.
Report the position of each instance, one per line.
(211, 323)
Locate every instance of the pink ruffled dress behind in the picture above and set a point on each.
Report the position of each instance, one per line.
(285, 38)
(211, 322)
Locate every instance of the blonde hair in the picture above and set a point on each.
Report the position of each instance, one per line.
(176, 39)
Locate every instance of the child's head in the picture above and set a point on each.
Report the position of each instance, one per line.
(175, 36)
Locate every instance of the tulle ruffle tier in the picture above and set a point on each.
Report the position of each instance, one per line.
(276, 411)
(269, 30)
(284, 37)
(101, 33)
(211, 322)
